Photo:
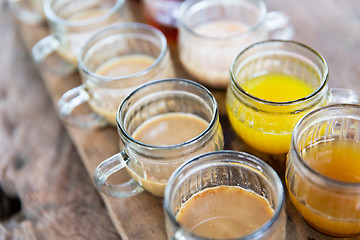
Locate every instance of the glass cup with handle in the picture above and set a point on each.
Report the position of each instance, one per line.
(73, 22)
(212, 32)
(112, 63)
(161, 125)
(273, 84)
(253, 188)
(323, 169)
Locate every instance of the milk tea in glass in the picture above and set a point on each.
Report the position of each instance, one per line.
(161, 125)
(112, 63)
(211, 32)
(225, 195)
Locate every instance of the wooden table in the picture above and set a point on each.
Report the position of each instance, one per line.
(48, 167)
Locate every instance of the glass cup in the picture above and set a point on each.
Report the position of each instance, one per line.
(212, 32)
(225, 168)
(267, 125)
(73, 22)
(136, 45)
(150, 166)
(319, 158)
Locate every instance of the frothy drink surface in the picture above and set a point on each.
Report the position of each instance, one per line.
(170, 129)
(88, 14)
(224, 212)
(221, 28)
(125, 65)
(119, 67)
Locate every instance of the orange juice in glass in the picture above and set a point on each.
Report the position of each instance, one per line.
(323, 169)
(272, 85)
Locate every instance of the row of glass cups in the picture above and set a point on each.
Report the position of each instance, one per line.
(179, 172)
(97, 89)
(211, 32)
(294, 56)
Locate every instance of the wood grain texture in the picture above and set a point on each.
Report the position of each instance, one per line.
(38, 162)
(329, 26)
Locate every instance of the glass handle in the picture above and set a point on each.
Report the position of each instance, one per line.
(279, 26)
(106, 169)
(25, 14)
(73, 99)
(341, 95)
(44, 48)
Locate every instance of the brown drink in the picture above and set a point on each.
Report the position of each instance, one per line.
(224, 212)
(170, 129)
(165, 130)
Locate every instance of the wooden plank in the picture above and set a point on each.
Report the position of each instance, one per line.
(39, 164)
(317, 23)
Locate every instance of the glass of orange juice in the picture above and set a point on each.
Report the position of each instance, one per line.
(323, 169)
(272, 85)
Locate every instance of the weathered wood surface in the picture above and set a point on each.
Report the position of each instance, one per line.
(38, 162)
(329, 26)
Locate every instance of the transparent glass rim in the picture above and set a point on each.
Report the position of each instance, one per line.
(208, 130)
(185, 7)
(300, 161)
(239, 89)
(55, 19)
(118, 28)
(232, 155)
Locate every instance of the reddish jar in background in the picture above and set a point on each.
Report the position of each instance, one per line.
(163, 15)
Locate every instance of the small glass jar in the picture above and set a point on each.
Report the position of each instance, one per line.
(225, 168)
(329, 205)
(267, 125)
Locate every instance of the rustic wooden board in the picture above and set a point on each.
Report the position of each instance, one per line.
(331, 27)
(38, 162)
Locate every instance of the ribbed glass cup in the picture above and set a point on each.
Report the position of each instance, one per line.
(225, 168)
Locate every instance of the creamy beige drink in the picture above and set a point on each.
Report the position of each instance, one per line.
(125, 65)
(221, 28)
(224, 212)
(88, 14)
(208, 57)
(118, 67)
(165, 130)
